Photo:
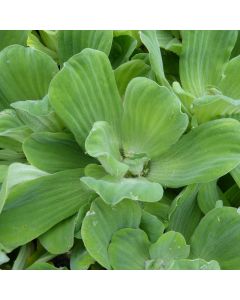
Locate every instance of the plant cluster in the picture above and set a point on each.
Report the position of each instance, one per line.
(119, 150)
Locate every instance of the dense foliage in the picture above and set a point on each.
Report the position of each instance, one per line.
(119, 150)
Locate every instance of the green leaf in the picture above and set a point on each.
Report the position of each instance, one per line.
(167, 41)
(17, 173)
(217, 237)
(80, 259)
(152, 226)
(203, 58)
(122, 48)
(194, 264)
(214, 107)
(128, 249)
(60, 238)
(198, 156)
(229, 84)
(25, 74)
(10, 37)
(102, 221)
(53, 152)
(103, 144)
(112, 190)
(35, 206)
(23, 255)
(168, 247)
(129, 70)
(38, 115)
(34, 42)
(84, 92)
(208, 195)
(185, 213)
(71, 42)
(149, 39)
(50, 38)
(42, 266)
(3, 258)
(152, 119)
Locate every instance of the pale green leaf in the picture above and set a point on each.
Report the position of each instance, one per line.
(103, 144)
(229, 84)
(185, 213)
(35, 206)
(202, 155)
(152, 226)
(80, 259)
(128, 249)
(102, 221)
(203, 58)
(84, 92)
(71, 42)
(112, 190)
(152, 119)
(10, 37)
(54, 152)
(149, 39)
(215, 107)
(194, 264)
(38, 115)
(25, 74)
(208, 195)
(217, 237)
(129, 70)
(17, 173)
(60, 238)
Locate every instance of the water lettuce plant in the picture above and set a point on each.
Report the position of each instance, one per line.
(119, 150)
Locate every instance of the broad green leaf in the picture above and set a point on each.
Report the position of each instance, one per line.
(229, 84)
(84, 92)
(10, 37)
(50, 38)
(194, 264)
(128, 249)
(159, 209)
(152, 226)
(80, 259)
(132, 33)
(129, 70)
(103, 144)
(12, 130)
(122, 48)
(35, 206)
(71, 42)
(217, 237)
(207, 196)
(38, 115)
(25, 74)
(79, 219)
(112, 190)
(168, 247)
(3, 258)
(34, 42)
(17, 173)
(54, 152)
(21, 261)
(42, 266)
(198, 156)
(149, 39)
(3, 172)
(167, 41)
(215, 107)
(185, 214)
(203, 58)
(60, 238)
(94, 170)
(152, 119)
(102, 221)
